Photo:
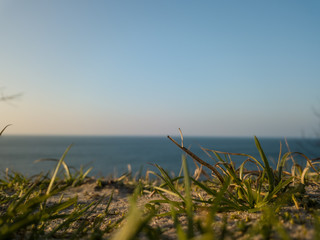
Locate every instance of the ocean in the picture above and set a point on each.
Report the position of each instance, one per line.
(111, 155)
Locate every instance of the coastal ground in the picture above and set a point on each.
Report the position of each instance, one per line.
(297, 221)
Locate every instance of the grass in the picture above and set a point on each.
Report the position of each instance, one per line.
(231, 203)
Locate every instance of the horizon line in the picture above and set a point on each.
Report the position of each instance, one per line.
(153, 136)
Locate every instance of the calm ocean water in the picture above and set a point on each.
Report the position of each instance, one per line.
(111, 155)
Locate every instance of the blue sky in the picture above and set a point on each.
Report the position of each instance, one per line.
(212, 68)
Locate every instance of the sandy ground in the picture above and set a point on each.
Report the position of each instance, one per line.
(299, 227)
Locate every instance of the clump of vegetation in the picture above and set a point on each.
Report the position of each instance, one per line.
(233, 202)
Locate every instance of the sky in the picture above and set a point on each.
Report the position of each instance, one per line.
(211, 68)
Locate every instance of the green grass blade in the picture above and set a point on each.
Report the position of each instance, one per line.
(12, 208)
(166, 178)
(181, 235)
(136, 221)
(57, 169)
(61, 206)
(108, 203)
(267, 167)
(282, 164)
(236, 154)
(207, 189)
(168, 192)
(65, 166)
(188, 197)
(279, 158)
(269, 196)
(71, 218)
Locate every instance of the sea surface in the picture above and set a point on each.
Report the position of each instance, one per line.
(110, 156)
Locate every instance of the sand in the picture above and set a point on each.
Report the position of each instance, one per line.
(300, 225)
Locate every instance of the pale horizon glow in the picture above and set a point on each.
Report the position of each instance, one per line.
(147, 68)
